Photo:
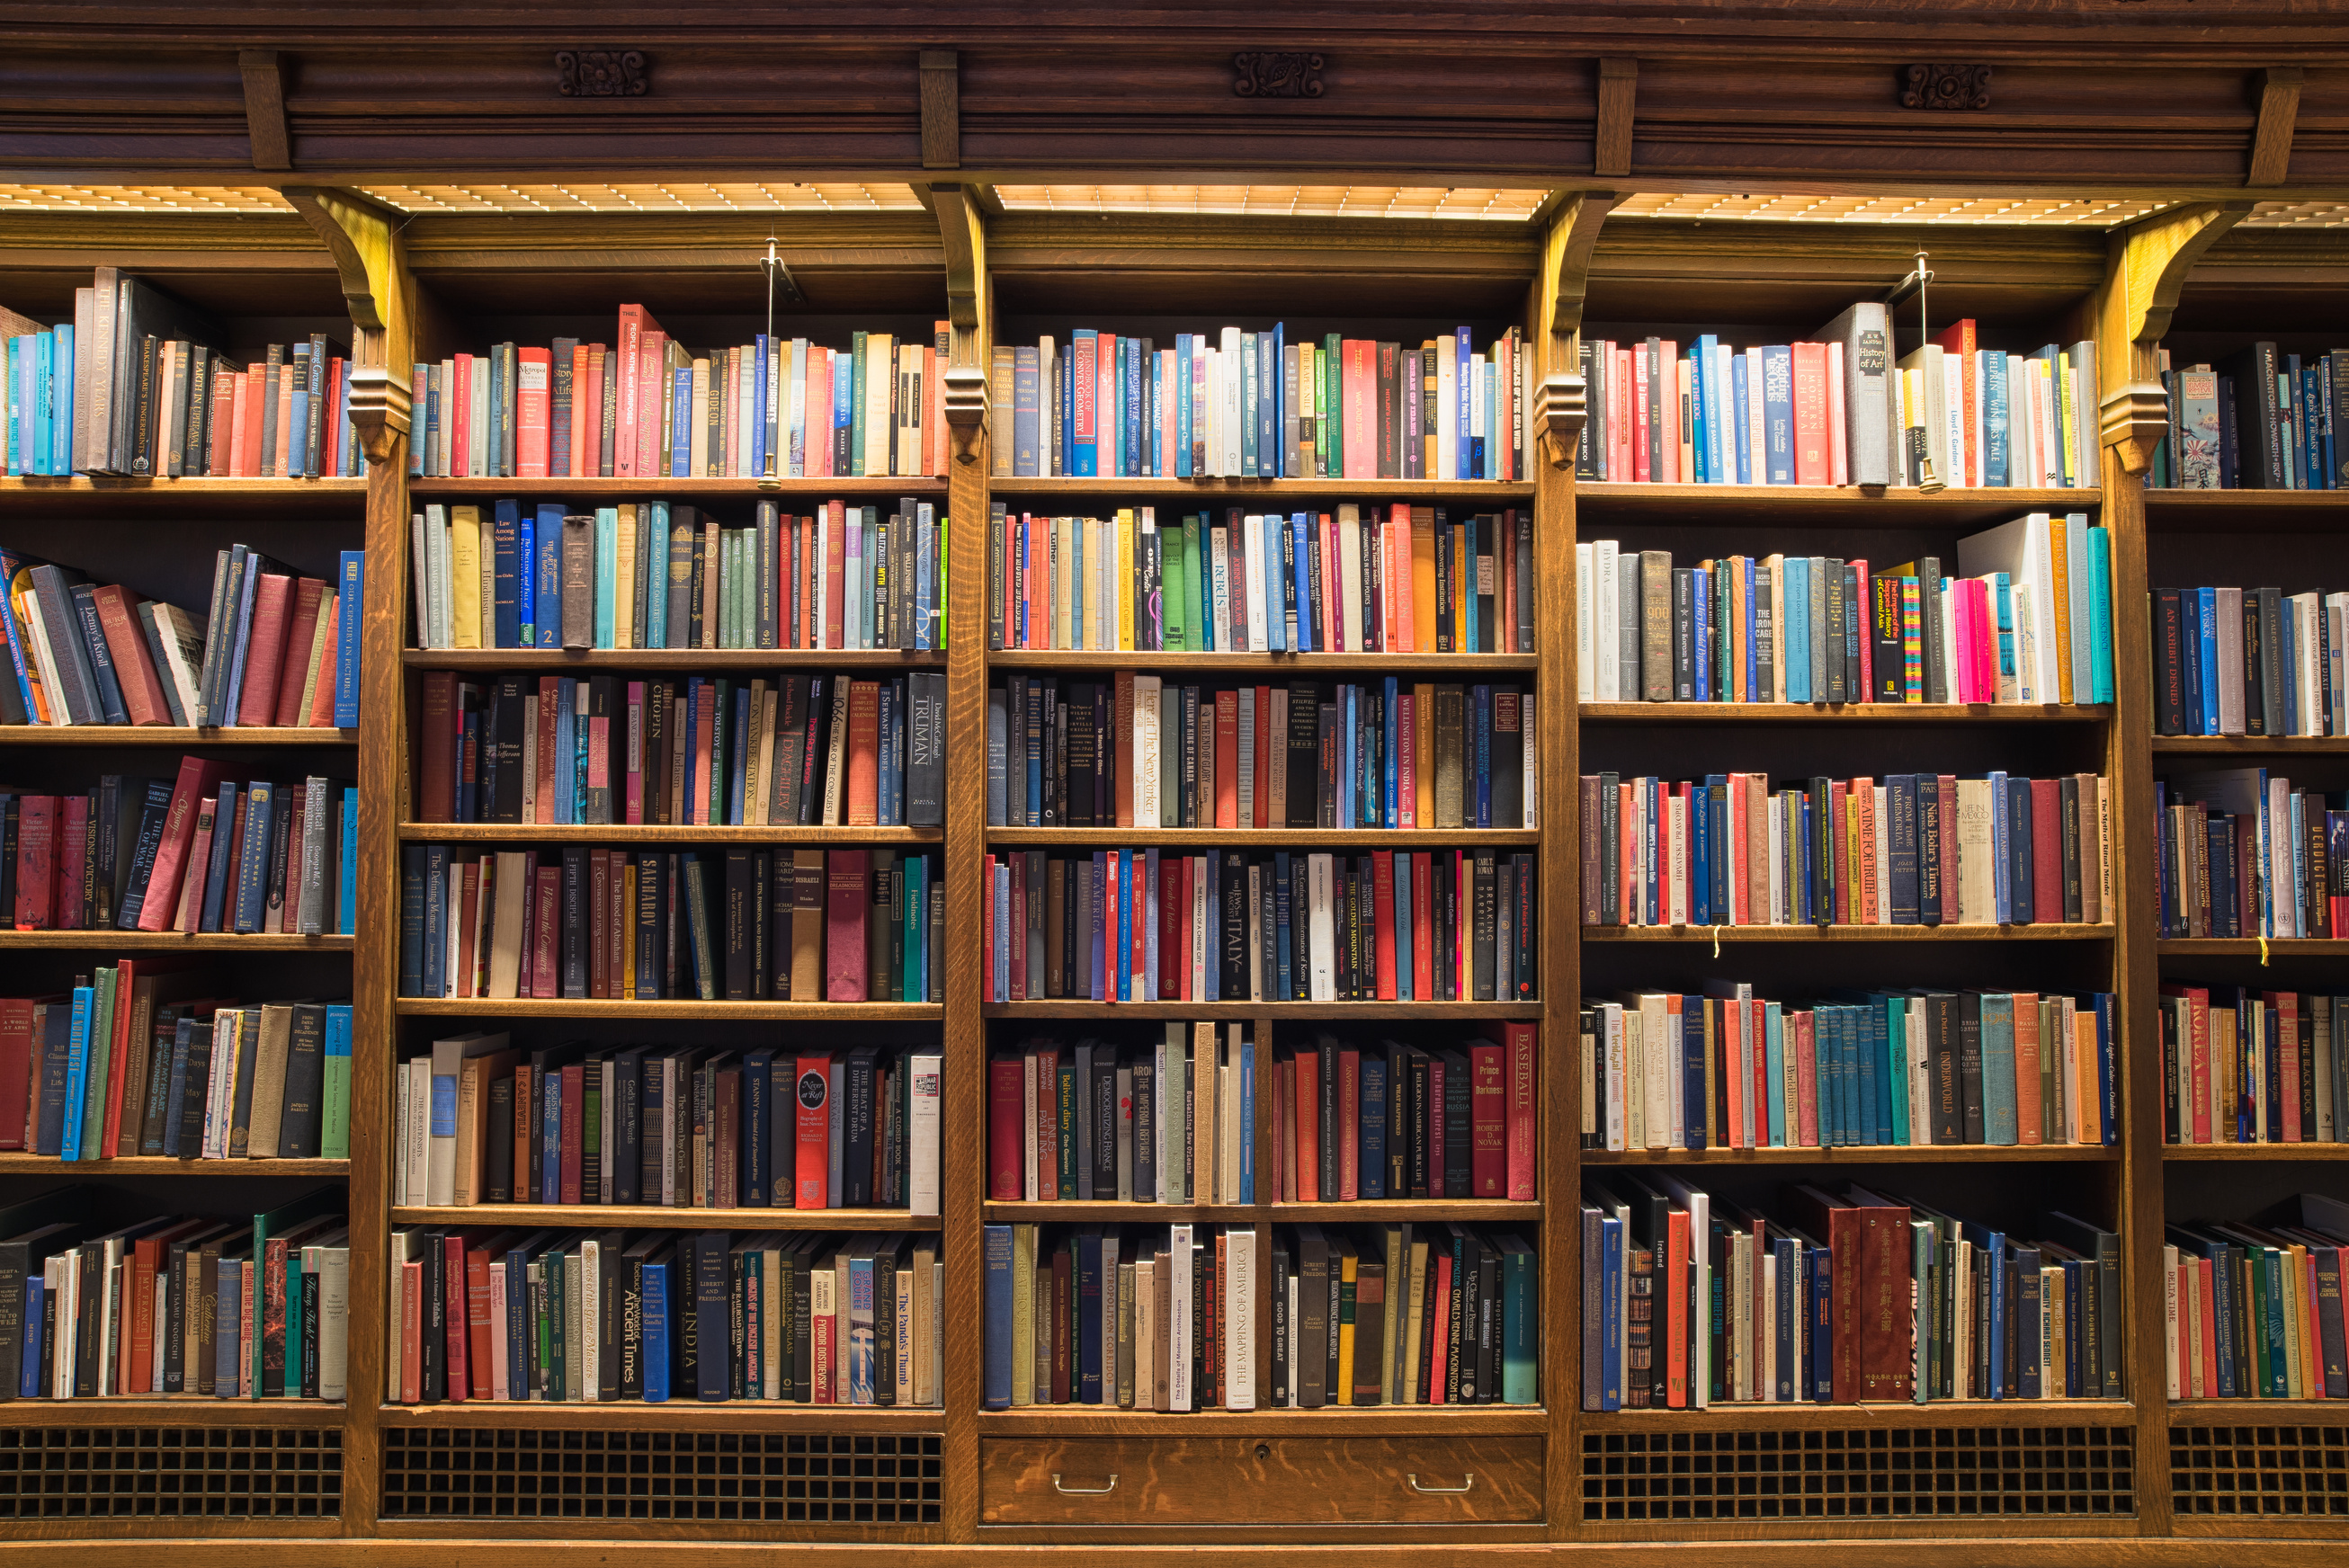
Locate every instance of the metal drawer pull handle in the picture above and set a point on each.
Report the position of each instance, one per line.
(1085, 1490)
(1467, 1483)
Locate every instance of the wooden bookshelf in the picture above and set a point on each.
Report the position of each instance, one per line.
(453, 276)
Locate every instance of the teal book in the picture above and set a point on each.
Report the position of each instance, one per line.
(346, 872)
(607, 555)
(2100, 622)
(276, 1223)
(653, 630)
(857, 372)
(2000, 1123)
(1520, 1322)
(101, 1054)
(334, 1087)
(352, 595)
(77, 1071)
(1774, 1046)
(252, 858)
(1896, 1037)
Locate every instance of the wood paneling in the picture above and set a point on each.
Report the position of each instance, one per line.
(1095, 1483)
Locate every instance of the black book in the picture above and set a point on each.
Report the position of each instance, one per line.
(1929, 581)
(737, 919)
(1304, 754)
(925, 747)
(1231, 938)
(1484, 918)
(155, 805)
(298, 1129)
(1456, 1175)
(2258, 421)
(2171, 667)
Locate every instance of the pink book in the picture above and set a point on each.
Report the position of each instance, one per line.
(1867, 642)
(1839, 433)
(1518, 1042)
(636, 798)
(197, 780)
(200, 850)
(847, 905)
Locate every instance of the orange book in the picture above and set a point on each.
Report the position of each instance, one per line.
(1384, 909)
(1260, 809)
(1350, 1125)
(1122, 735)
(248, 420)
(220, 452)
(412, 1333)
(1227, 759)
(2030, 1117)
(283, 457)
(864, 744)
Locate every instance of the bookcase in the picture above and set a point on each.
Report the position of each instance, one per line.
(2051, 1478)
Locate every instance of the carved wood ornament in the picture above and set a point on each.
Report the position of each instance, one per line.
(602, 73)
(1271, 73)
(1945, 87)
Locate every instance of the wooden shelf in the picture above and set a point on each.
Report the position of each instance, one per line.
(2249, 946)
(1448, 667)
(1707, 933)
(160, 1165)
(174, 942)
(2245, 511)
(656, 833)
(1718, 713)
(1408, 1210)
(2250, 744)
(658, 1217)
(654, 1012)
(1302, 839)
(1330, 1421)
(591, 491)
(1240, 490)
(1804, 1413)
(2259, 1154)
(680, 1411)
(1204, 1011)
(1863, 1154)
(169, 735)
(1816, 506)
(684, 661)
(2256, 1412)
(171, 500)
(173, 1410)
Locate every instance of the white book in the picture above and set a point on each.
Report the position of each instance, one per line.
(1199, 944)
(1699, 1205)
(922, 1134)
(1617, 1044)
(1219, 580)
(1349, 574)
(1609, 591)
(498, 1365)
(1635, 1077)
(402, 1245)
(1239, 1317)
(1232, 398)
(1876, 910)
(444, 1067)
(1252, 569)
(1178, 1327)
(1585, 625)
(1147, 805)
(1146, 1332)
(1321, 944)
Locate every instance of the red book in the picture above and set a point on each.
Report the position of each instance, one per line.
(625, 365)
(301, 637)
(864, 799)
(1674, 1301)
(1187, 933)
(1136, 887)
(437, 785)
(1048, 1124)
(248, 392)
(1383, 913)
(1423, 926)
(1017, 936)
(1518, 1041)
(574, 1100)
(545, 973)
(1284, 1172)
(219, 454)
(1439, 1333)
(258, 704)
(1173, 955)
(540, 789)
(158, 903)
(1308, 1127)
(478, 1361)
(72, 860)
(1643, 371)
(411, 1332)
(2046, 852)
(1227, 759)
(1358, 384)
(456, 1317)
(134, 667)
(1811, 413)
(534, 372)
(460, 416)
(813, 1161)
(139, 1367)
(847, 905)
(1006, 1134)
(1488, 1120)
(1349, 1126)
(17, 1068)
(835, 562)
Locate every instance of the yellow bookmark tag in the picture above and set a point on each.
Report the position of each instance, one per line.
(2264, 952)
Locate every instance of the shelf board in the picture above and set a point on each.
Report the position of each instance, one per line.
(160, 1165)
(1416, 1210)
(693, 661)
(1245, 490)
(2252, 1412)
(2245, 510)
(1451, 666)
(1204, 1011)
(593, 490)
(654, 1012)
(82, 497)
(2269, 1154)
(172, 1410)
(1707, 933)
(656, 833)
(2253, 744)
(1332, 1421)
(1207, 840)
(1819, 506)
(658, 1217)
(681, 1411)
(2250, 946)
(1714, 713)
(1933, 1413)
(174, 942)
(169, 735)
(1873, 1154)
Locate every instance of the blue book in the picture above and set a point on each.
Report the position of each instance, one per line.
(1610, 1322)
(2100, 611)
(347, 867)
(994, 1250)
(1463, 419)
(1084, 348)
(335, 1119)
(1472, 633)
(2000, 1114)
(1702, 416)
(215, 901)
(1691, 1057)
(1794, 634)
(607, 551)
(1390, 781)
(1819, 1276)
(737, 766)
(61, 382)
(432, 960)
(1773, 1054)
(1280, 918)
(550, 1132)
(1272, 449)
(656, 1351)
(1280, 615)
(1371, 1144)
(505, 543)
(860, 1335)
(230, 1308)
(1778, 416)
(712, 1267)
(1879, 1047)
(562, 765)
(1405, 989)
(44, 411)
(761, 414)
(2198, 611)
(2017, 856)
(1480, 708)
(1028, 418)
(1247, 421)
(28, 1378)
(85, 998)
(526, 580)
(547, 596)
(351, 595)
(1995, 446)
(1086, 1373)
(680, 422)
(1247, 1120)
(1741, 422)
(1300, 589)
(1134, 384)
(1185, 345)
(843, 414)
(1994, 1244)
(253, 861)
(2106, 1088)
(1002, 977)
(1751, 652)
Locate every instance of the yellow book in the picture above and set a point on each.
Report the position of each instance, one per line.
(880, 400)
(2058, 548)
(628, 992)
(1423, 579)
(1350, 1266)
(1423, 745)
(807, 925)
(1123, 579)
(624, 582)
(465, 575)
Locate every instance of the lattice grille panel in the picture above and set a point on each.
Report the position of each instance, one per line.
(171, 1472)
(708, 1478)
(1842, 1473)
(2259, 1472)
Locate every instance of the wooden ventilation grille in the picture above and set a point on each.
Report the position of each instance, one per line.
(1981, 210)
(667, 196)
(171, 1472)
(2259, 1472)
(705, 1478)
(2299, 215)
(1858, 1473)
(1278, 200)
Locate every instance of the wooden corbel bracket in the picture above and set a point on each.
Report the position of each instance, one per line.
(2148, 267)
(1561, 401)
(964, 380)
(363, 239)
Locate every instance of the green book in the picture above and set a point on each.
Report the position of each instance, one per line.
(1194, 619)
(856, 406)
(101, 1060)
(276, 1223)
(1329, 432)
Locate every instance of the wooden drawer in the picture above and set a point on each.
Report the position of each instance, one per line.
(1261, 1480)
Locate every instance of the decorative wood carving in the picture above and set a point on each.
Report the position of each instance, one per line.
(363, 237)
(265, 108)
(1276, 72)
(1945, 87)
(602, 73)
(2278, 96)
(2146, 268)
(1561, 408)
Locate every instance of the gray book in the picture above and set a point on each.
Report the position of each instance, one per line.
(1084, 1108)
(579, 580)
(1627, 623)
(1864, 333)
(925, 748)
(310, 913)
(998, 786)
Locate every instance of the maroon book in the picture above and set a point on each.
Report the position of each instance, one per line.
(37, 862)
